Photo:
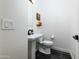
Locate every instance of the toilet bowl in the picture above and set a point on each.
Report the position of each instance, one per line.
(46, 46)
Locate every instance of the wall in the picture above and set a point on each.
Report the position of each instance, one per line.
(14, 42)
(1, 15)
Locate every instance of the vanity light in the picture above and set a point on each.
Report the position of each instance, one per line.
(32, 1)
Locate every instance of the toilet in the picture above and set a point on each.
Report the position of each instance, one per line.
(45, 45)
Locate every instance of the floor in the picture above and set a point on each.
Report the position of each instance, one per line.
(54, 55)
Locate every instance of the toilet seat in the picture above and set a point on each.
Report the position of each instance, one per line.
(47, 42)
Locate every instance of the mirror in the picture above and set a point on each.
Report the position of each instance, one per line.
(38, 18)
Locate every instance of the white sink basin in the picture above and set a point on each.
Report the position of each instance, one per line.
(34, 36)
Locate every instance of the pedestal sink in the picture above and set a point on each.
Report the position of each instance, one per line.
(32, 45)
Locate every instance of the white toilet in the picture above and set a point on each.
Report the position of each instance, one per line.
(45, 45)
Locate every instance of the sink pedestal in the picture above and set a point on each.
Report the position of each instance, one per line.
(31, 49)
(32, 39)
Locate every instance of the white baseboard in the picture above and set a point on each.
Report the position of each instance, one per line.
(64, 50)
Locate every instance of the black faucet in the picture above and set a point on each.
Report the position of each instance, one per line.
(30, 32)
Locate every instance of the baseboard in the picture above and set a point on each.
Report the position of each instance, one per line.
(64, 50)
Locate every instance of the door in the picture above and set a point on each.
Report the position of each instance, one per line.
(77, 51)
(74, 28)
(74, 31)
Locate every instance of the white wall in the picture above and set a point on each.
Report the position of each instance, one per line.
(1, 14)
(14, 42)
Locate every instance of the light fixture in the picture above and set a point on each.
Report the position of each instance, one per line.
(32, 1)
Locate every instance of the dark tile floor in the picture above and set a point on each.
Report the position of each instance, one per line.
(54, 55)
